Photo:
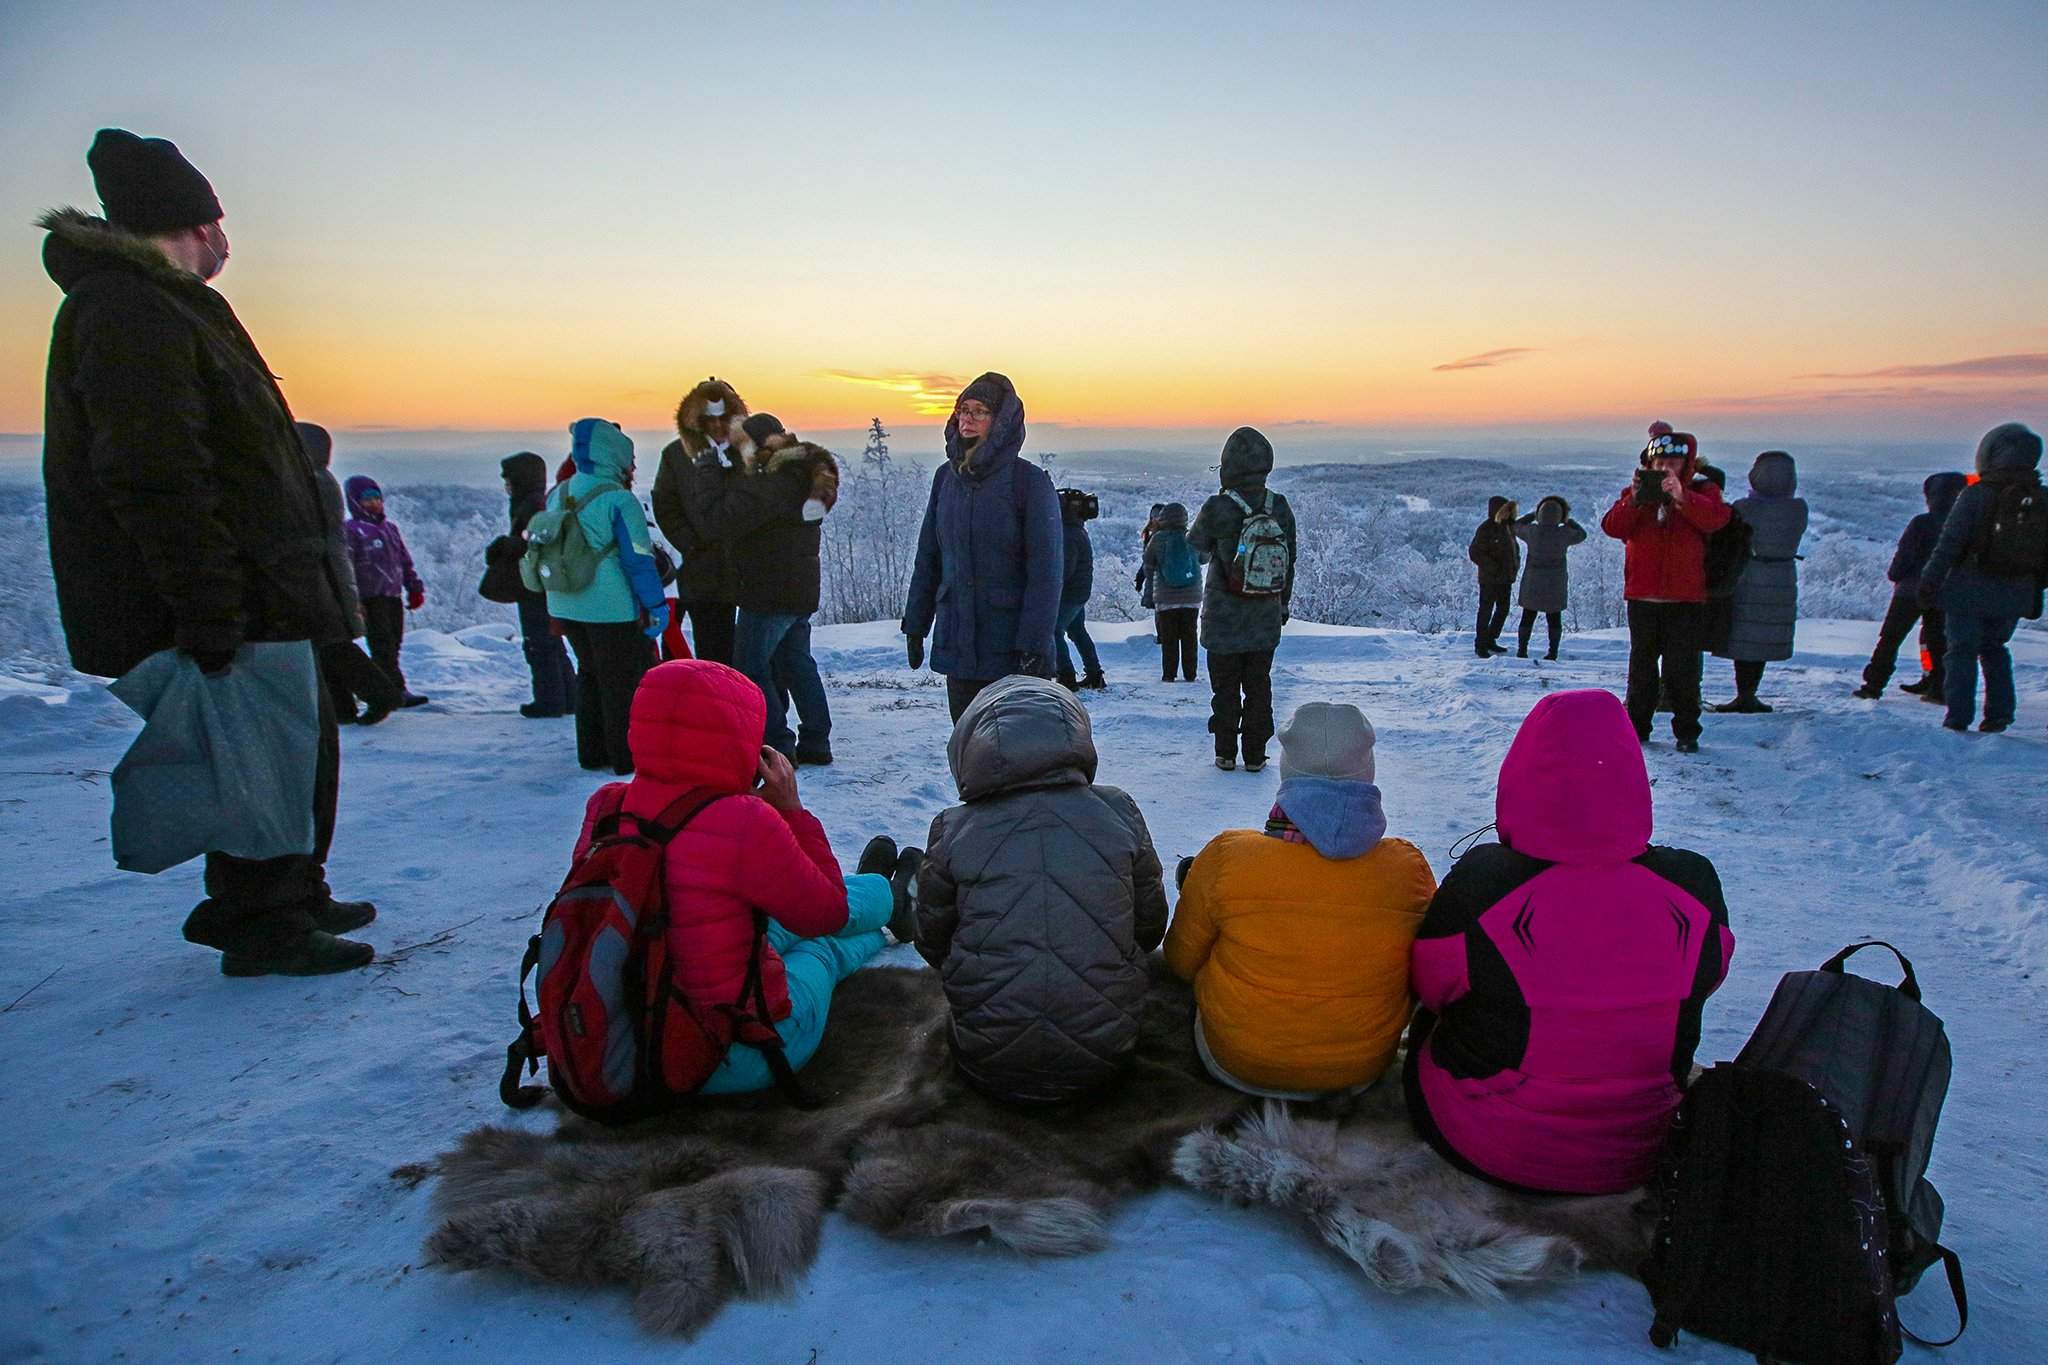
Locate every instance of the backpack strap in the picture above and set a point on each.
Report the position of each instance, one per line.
(1266, 506)
(1234, 496)
(608, 823)
(1910, 986)
(525, 1048)
(752, 1008)
(1954, 1265)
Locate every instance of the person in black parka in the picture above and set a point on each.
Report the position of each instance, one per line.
(348, 674)
(183, 512)
(547, 657)
(1916, 543)
(1240, 629)
(1499, 557)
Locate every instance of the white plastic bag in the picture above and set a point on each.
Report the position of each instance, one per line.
(224, 764)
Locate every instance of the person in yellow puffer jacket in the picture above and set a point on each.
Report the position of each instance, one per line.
(1296, 937)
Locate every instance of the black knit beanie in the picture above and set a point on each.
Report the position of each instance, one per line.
(761, 426)
(985, 391)
(146, 185)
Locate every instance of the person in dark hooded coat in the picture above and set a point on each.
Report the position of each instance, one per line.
(1549, 532)
(1916, 543)
(547, 658)
(1171, 580)
(1241, 630)
(987, 579)
(1981, 606)
(183, 511)
(1038, 898)
(1498, 558)
(350, 676)
(710, 451)
(1765, 612)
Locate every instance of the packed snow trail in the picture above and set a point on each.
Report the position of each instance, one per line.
(204, 1167)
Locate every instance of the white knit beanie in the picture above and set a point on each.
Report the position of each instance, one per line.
(1327, 739)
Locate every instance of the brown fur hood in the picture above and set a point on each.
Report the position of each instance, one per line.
(79, 243)
(782, 450)
(690, 414)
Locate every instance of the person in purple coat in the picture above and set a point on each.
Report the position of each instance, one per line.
(990, 555)
(385, 579)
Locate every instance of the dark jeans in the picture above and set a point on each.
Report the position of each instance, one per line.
(1749, 675)
(1241, 702)
(547, 658)
(1176, 630)
(1553, 620)
(712, 630)
(1073, 625)
(384, 623)
(351, 678)
(1973, 640)
(961, 692)
(774, 651)
(615, 655)
(1898, 623)
(1493, 614)
(256, 901)
(1664, 637)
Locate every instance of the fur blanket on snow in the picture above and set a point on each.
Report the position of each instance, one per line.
(726, 1196)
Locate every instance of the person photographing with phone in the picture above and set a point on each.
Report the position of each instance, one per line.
(1664, 516)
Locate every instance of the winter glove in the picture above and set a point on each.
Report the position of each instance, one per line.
(415, 599)
(914, 648)
(1139, 581)
(212, 662)
(657, 622)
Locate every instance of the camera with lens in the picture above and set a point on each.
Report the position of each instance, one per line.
(1650, 488)
(1078, 505)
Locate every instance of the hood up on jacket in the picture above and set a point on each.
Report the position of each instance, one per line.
(1941, 492)
(697, 724)
(526, 472)
(1573, 788)
(357, 487)
(1339, 818)
(79, 244)
(690, 417)
(1021, 732)
(597, 447)
(318, 441)
(1493, 506)
(1247, 459)
(1172, 517)
(2012, 448)
(1005, 432)
(1553, 511)
(1774, 475)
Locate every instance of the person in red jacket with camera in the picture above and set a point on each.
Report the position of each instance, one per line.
(1664, 516)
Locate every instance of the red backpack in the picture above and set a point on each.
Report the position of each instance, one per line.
(622, 1039)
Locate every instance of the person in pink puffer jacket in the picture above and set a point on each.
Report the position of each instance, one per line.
(696, 730)
(1561, 972)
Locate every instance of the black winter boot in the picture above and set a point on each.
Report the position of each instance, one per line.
(1094, 682)
(903, 884)
(338, 917)
(878, 858)
(313, 953)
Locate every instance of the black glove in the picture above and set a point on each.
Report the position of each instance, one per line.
(1139, 581)
(212, 662)
(913, 647)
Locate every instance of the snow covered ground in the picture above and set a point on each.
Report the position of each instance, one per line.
(202, 1169)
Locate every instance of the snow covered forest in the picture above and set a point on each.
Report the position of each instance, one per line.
(1381, 544)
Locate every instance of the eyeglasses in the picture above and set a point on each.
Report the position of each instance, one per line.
(975, 410)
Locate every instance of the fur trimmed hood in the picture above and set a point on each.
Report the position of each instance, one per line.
(79, 244)
(690, 416)
(784, 451)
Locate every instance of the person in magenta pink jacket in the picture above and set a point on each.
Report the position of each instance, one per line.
(1561, 971)
(696, 731)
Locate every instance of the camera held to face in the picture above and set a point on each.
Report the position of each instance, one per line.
(1078, 505)
(1650, 487)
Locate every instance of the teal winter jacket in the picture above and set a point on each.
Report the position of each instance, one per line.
(627, 583)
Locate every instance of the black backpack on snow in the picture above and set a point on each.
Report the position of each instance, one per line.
(2014, 541)
(1795, 1203)
(1728, 554)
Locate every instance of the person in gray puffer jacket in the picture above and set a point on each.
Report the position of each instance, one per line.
(1038, 899)
(1766, 605)
(1549, 532)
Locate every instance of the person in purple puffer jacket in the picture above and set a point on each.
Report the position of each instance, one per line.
(1562, 971)
(385, 579)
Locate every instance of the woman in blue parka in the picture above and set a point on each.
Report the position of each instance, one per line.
(986, 585)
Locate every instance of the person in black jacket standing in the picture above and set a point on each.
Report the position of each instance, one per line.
(182, 507)
(1499, 558)
(547, 658)
(348, 674)
(1915, 544)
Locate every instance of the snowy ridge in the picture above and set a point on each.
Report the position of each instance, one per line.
(203, 1167)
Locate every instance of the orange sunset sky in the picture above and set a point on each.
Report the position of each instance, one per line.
(1825, 221)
